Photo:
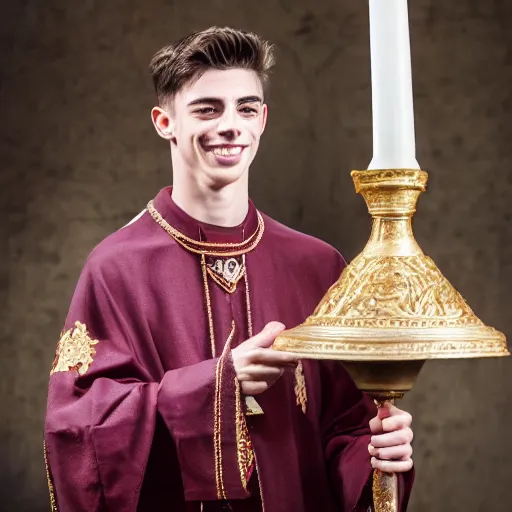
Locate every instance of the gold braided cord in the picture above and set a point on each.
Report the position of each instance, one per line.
(247, 299)
(209, 248)
(51, 489)
(217, 418)
(208, 304)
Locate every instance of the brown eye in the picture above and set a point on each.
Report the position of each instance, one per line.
(206, 111)
(248, 111)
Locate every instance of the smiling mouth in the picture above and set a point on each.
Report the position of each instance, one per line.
(225, 150)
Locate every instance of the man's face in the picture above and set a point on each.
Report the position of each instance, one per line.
(217, 122)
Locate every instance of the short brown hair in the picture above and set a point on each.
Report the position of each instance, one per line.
(177, 64)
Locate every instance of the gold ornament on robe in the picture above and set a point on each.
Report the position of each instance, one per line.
(75, 350)
(226, 273)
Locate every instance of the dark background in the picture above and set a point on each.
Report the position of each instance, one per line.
(79, 159)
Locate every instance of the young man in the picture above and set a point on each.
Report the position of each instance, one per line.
(165, 393)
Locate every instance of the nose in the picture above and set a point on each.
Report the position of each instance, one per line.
(228, 124)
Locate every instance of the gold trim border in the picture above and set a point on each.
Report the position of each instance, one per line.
(51, 488)
(217, 419)
(392, 344)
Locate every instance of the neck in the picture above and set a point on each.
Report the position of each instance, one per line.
(226, 206)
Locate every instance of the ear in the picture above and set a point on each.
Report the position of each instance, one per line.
(162, 123)
(264, 117)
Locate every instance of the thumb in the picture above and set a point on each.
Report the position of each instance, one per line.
(384, 411)
(376, 422)
(266, 337)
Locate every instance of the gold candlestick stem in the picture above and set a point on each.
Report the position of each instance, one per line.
(385, 492)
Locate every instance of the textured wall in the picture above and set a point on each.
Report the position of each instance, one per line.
(79, 159)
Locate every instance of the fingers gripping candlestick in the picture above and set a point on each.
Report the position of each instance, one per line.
(391, 309)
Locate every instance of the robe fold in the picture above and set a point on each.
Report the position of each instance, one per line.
(142, 416)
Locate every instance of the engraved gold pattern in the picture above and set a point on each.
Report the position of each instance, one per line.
(51, 489)
(389, 349)
(393, 291)
(75, 350)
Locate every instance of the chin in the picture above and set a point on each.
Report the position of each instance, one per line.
(223, 177)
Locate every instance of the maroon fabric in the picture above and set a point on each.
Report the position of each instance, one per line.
(135, 433)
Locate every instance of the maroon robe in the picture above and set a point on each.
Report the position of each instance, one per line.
(135, 431)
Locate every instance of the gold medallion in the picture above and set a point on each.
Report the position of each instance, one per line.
(226, 273)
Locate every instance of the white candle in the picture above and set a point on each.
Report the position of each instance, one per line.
(392, 106)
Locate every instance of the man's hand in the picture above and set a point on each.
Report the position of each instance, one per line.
(390, 445)
(257, 366)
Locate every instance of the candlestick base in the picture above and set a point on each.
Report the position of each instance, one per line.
(391, 309)
(391, 303)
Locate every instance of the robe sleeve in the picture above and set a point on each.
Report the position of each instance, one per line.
(346, 413)
(103, 403)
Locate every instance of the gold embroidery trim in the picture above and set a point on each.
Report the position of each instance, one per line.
(217, 419)
(217, 434)
(245, 453)
(51, 489)
(301, 394)
(75, 350)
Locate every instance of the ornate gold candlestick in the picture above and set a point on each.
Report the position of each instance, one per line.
(391, 309)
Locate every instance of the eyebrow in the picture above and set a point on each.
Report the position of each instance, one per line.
(239, 101)
(249, 99)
